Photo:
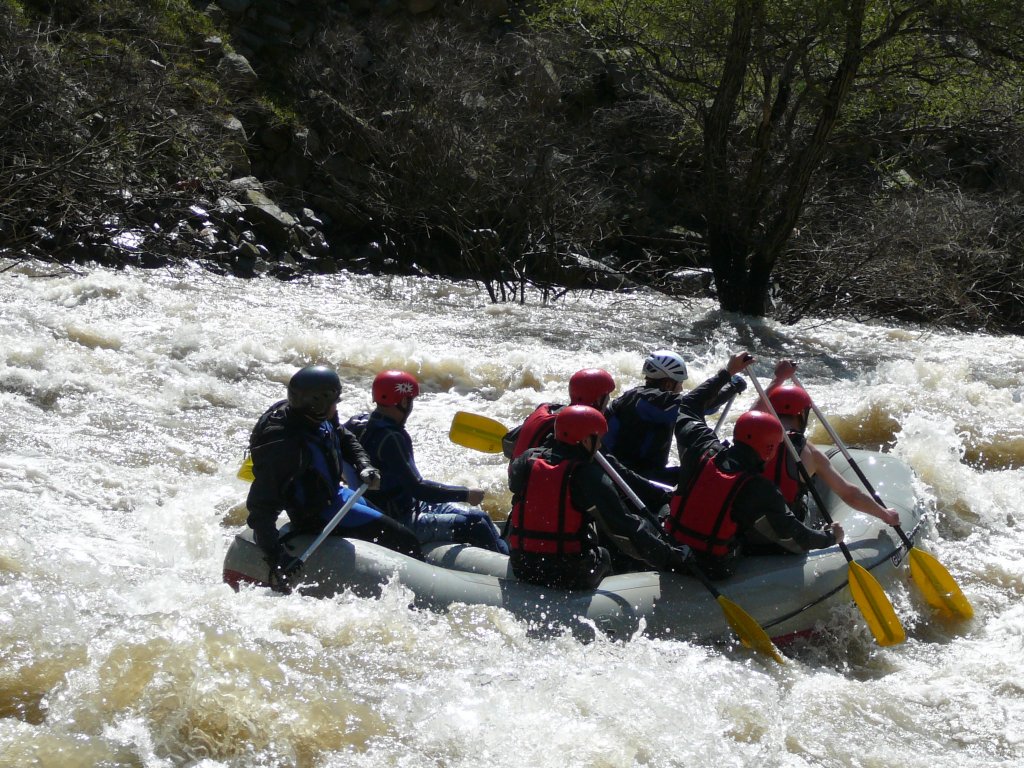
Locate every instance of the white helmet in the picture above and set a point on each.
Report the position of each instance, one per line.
(665, 364)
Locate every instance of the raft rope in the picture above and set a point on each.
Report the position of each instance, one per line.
(894, 555)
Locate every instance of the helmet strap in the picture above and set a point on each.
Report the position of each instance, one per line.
(404, 407)
(589, 445)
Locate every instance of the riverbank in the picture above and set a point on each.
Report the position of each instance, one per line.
(266, 138)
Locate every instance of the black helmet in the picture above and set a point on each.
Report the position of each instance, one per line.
(313, 390)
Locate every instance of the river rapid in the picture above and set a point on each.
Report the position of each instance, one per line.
(126, 400)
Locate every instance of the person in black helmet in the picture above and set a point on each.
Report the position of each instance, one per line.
(297, 449)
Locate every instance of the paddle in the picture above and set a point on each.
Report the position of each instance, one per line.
(333, 523)
(471, 430)
(867, 593)
(938, 587)
(725, 411)
(295, 565)
(245, 471)
(750, 633)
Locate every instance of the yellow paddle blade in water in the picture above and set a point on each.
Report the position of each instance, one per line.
(875, 606)
(937, 587)
(750, 633)
(480, 433)
(245, 471)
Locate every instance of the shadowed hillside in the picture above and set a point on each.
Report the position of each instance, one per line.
(461, 139)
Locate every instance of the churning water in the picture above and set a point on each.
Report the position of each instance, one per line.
(126, 399)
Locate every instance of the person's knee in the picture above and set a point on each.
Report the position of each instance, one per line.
(479, 531)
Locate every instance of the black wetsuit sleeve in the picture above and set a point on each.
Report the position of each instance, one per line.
(735, 386)
(519, 473)
(508, 442)
(704, 397)
(402, 471)
(633, 533)
(274, 467)
(352, 450)
(694, 438)
(761, 513)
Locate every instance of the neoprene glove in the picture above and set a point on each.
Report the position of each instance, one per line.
(371, 476)
(679, 560)
(283, 568)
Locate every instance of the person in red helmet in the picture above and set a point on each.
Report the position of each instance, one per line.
(793, 405)
(592, 387)
(588, 386)
(724, 506)
(434, 511)
(564, 505)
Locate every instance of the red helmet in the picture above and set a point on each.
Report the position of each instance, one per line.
(759, 430)
(576, 423)
(588, 386)
(789, 400)
(391, 387)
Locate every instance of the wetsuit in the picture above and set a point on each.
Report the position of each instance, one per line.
(641, 422)
(585, 491)
(760, 519)
(427, 507)
(297, 468)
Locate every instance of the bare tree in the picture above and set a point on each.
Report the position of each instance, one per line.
(772, 88)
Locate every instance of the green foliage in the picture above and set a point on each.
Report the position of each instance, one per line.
(776, 87)
(605, 128)
(173, 22)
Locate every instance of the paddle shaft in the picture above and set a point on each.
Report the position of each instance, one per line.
(856, 468)
(748, 630)
(333, 523)
(631, 495)
(725, 411)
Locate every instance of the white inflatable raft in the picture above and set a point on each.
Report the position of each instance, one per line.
(788, 595)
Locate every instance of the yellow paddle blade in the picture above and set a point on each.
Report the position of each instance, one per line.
(937, 587)
(750, 633)
(875, 606)
(245, 471)
(480, 433)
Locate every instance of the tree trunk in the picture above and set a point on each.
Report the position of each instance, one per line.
(727, 242)
(744, 242)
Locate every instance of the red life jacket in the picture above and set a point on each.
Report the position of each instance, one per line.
(536, 428)
(544, 520)
(702, 517)
(780, 471)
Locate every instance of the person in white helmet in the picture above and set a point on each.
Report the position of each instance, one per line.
(641, 420)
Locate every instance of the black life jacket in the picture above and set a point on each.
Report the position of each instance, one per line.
(313, 488)
(544, 519)
(701, 517)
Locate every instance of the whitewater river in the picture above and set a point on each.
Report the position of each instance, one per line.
(126, 399)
